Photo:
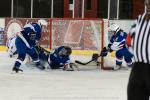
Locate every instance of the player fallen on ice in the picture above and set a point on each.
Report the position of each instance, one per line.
(25, 42)
(60, 58)
(118, 44)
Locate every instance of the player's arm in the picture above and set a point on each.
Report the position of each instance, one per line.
(38, 27)
(118, 45)
(67, 65)
(107, 49)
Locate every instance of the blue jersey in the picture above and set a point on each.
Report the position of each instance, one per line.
(59, 59)
(118, 44)
(38, 30)
(32, 33)
(119, 37)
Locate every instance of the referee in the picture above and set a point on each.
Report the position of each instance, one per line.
(139, 80)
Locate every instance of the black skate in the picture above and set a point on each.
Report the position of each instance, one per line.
(40, 67)
(17, 70)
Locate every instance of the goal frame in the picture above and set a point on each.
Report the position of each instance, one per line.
(102, 36)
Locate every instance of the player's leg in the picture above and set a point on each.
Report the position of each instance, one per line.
(128, 57)
(43, 56)
(136, 86)
(34, 55)
(119, 57)
(21, 50)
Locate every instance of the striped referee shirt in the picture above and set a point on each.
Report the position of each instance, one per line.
(141, 39)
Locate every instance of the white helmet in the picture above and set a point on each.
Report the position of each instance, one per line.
(114, 27)
(42, 22)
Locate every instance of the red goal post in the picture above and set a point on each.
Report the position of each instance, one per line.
(84, 36)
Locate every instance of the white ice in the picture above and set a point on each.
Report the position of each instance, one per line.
(34, 84)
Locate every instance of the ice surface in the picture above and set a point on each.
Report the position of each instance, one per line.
(34, 84)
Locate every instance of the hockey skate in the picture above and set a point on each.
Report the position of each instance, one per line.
(117, 67)
(17, 70)
(40, 67)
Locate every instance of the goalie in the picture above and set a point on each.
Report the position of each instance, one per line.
(118, 44)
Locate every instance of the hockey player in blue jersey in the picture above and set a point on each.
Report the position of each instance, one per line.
(118, 44)
(26, 41)
(60, 58)
(57, 59)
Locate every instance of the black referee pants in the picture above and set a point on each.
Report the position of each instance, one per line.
(139, 82)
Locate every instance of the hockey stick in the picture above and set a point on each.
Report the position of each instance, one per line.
(81, 63)
(95, 57)
(39, 48)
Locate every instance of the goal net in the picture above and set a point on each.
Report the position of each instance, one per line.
(84, 36)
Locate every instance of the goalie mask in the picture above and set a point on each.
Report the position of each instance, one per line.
(114, 28)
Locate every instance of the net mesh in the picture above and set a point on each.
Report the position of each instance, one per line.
(78, 34)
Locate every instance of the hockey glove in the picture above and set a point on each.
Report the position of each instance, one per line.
(104, 52)
(109, 48)
(95, 57)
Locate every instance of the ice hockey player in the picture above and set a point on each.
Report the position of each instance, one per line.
(26, 41)
(60, 58)
(118, 44)
(57, 59)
